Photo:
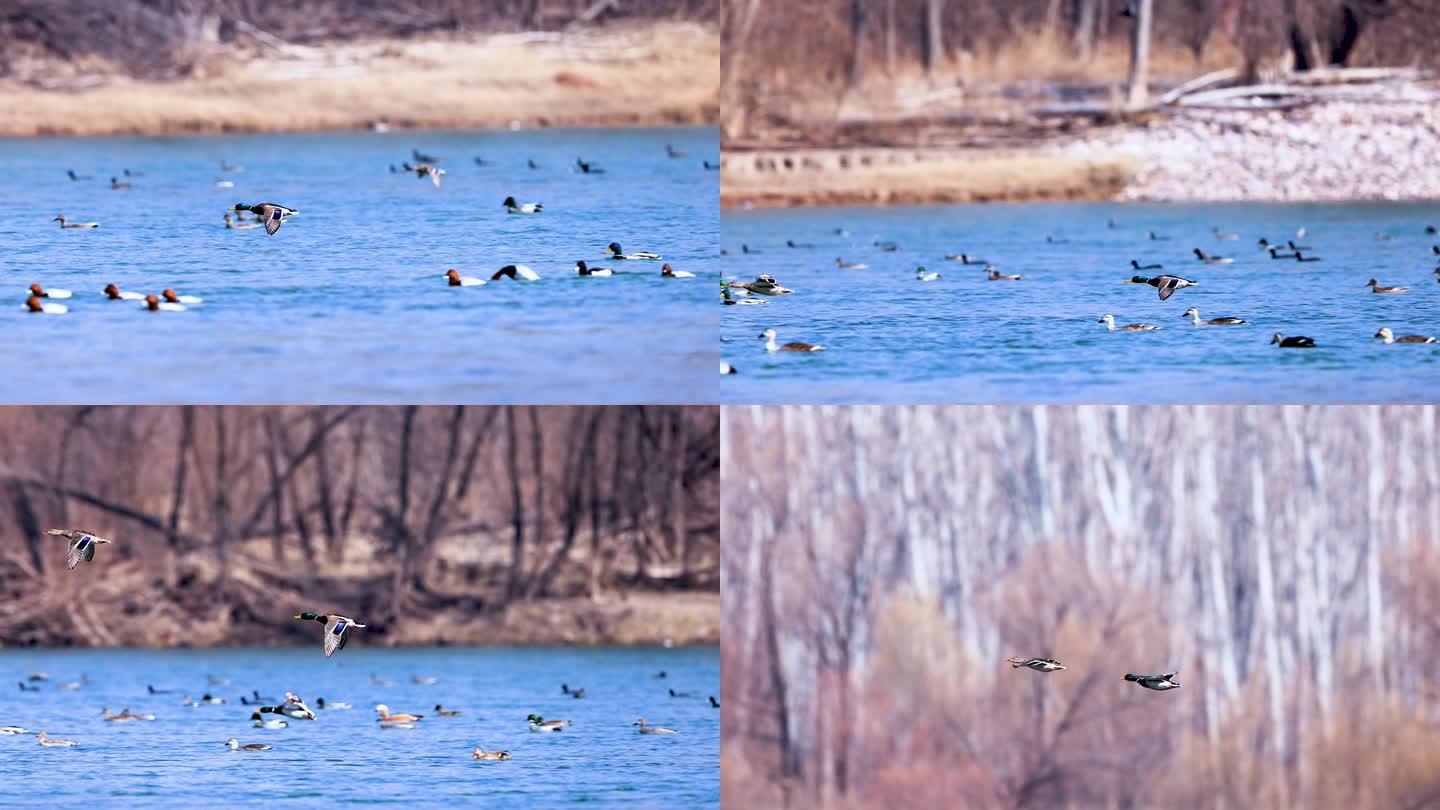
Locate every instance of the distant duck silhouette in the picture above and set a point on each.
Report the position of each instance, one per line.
(587, 168)
(1138, 266)
(74, 176)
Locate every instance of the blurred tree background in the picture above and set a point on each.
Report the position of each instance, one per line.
(432, 523)
(880, 564)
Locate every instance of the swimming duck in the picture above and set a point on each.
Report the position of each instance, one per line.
(749, 251)
(82, 545)
(1138, 266)
(442, 712)
(1389, 337)
(1299, 257)
(1157, 682)
(538, 723)
(1155, 237)
(887, 246)
(614, 251)
(40, 292)
(661, 674)
(1223, 235)
(123, 717)
(1051, 240)
(1297, 248)
(479, 161)
(49, 743)
(515, 272)
(481, 753)
(728, 300)
(585, 270)
(1209, 259)
(116, 185)
(260, 722)
(673, 152)
(386, 717)
(152, 690)
(1376, 288)
(241, 225)
(337, 629)
(714, 704)
(964, 258)
(64, 223)
(794, 346)
(566, 690)
(791, 243)
(226, 166)
(154, 304)
(256, 699)
(38, 676)
(675, 694)
(424, 680)
(844, 265)
(1166, 285)
(387, 724)
(666, 271)
(1109, 321)
(272, 214)
(34, 304)
(646, 728)
(711, 167)
(1037, 664)
(25, 687)
(1276, 254)
(995, 275)
(587, 168)
(224, 184)
(12, 730)
(129, 173)
(74, 176)
(376, 680)
(1194, 315)
(320, 702)
(214, 681)
(532, 164)
(762, 285)
(210, 700)
(234, 745)
(1296, 342)
(169, 295)
(512, 207)
(457, 280)
(424, 170)
(726, 368)
(921, 275)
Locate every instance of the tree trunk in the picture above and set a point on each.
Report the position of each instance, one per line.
(517, 505)
(934, 35)
(859, 34)
(1140, 54)
(1085, 30)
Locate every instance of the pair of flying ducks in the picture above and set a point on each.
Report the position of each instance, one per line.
(1160, 683)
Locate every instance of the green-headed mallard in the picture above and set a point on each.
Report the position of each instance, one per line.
(386, 717)
(481, 753)
(1194, 315)
(1157, 682)
(272, 214)
(1293, 342)
(1167, 285)
(337, 629)
(538, 723)
(646, 728)
(512, 207)
(1109, 321)
(65, 223)
(614, 251)
(82, 545)
(234, 745)
(794, 346)
(1376, 288)
(1389, 337)
(1037, 664)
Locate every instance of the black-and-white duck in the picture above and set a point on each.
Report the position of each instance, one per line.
(1212, 259)
(586, 270)
(1292, 342)
(1159, 683)
(512, 207)
(995, 275)
(614, 251)
(1037, 664)
(1109, 321)
(1166, 285)
(1194, 315)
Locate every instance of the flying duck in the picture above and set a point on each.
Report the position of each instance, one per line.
(454, 279)
(1296, 342)
(1138, 266)
(844, 265)
(421, 157)
(614, 251)
(1209, 259)
(995, 275)
(515, 272)
(538, 723)
(1166, 285)
(82, 545)
(1389, 337)
(234, 745)
(64, 223)
(424, 170)
(646, 728)
(921, 275)
(481, 753)
(512, 207)
(154, 304)
(1376, 288)
(386, 717)
(1109, 321)
(1194, 315)
(666, 271)
(34, 304)
(585, 270)
(40, 292)
(1157, 682)
(272, 214)
(795, 346)
(337, 629)
(1037, 664)
(762, 285)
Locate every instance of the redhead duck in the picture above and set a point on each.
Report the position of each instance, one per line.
(170, 296)
(40, 292)
(154, 304)
(113, 293)
(34, 304)
(457, 280)
(666, 271)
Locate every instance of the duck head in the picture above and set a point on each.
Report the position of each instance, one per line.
(1384, 333)
(152, 302)
(613, 249)
(667, 270)
(1278, 337)
(510, 202)
(310, 615)
(454, 276)
(33, 304)
(768, 334)
(170, 295)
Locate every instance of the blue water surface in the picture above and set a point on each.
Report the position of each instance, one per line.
(890, 338)
(343, 757)
(347, 303)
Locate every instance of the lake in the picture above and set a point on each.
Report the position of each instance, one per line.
(347, 302)
(891, 338)
(180, 759)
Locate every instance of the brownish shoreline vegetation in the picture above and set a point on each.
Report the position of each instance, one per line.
(464, 525)
(153, 67)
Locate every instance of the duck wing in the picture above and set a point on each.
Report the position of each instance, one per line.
(1167, 289)
(73, 557)
(335, 634)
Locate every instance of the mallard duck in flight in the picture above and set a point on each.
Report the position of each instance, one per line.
(425, 170)
(272, 214)
(1167, 285)
(337, 629)
(1157, 682)
(1037, 664)
(82, 545)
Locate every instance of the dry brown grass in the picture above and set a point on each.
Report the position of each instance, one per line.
(666, 73)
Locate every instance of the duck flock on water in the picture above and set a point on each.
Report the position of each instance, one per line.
(338, 629)
(41, 299)
(734, 292)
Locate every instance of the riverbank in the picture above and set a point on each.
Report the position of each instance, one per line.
(620, 76)
(1380, 148)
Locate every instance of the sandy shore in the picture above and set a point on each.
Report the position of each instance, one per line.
(662, 74)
